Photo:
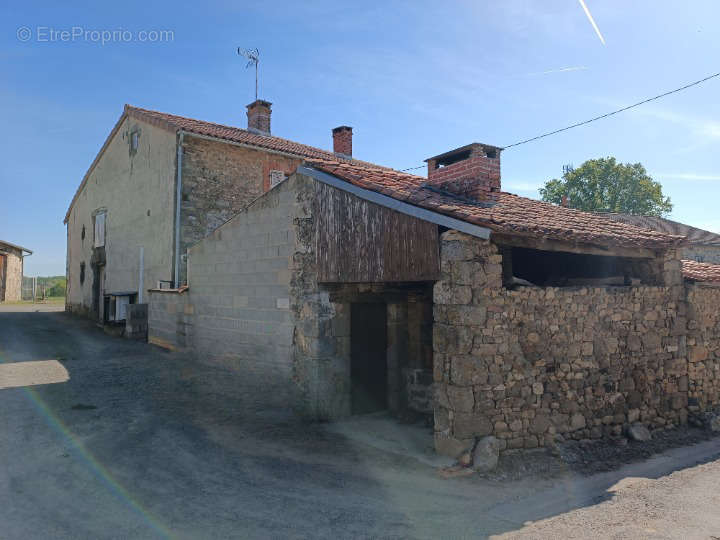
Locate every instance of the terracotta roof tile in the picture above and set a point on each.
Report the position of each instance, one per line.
(698, 271)
(512, 213)
(235, 134)
(693, 234)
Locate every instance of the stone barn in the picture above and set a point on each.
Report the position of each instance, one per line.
(11, 271)
(347, 289)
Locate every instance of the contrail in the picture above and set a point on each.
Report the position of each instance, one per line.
(562, 70)
(592, 21)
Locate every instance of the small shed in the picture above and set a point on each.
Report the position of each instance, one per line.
(11, 271)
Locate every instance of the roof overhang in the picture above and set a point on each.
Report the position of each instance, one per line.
(394, 204)
(14, 246)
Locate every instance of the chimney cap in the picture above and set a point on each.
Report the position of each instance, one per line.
(342, 128)
(464, 149)
(261, 102)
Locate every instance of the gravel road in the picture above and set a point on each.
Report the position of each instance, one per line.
(141, 443)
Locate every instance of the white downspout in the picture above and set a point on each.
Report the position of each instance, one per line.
(178, 199)
(141, 277)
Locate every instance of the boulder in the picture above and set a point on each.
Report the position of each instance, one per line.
(638, 432)
(486, 454)
(714, 422)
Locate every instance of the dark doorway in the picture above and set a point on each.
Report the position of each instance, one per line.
(368, 357)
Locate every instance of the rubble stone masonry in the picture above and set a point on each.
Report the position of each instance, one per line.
(703, 347)
(534, 365)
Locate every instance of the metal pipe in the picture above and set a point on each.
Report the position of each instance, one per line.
(141, 277)
(178, 202)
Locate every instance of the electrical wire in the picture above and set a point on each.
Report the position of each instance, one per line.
(615, 112)
(606, 115)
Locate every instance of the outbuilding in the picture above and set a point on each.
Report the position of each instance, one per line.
(11, 271)
(347, 289)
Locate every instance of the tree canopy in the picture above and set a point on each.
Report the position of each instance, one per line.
(604, 185)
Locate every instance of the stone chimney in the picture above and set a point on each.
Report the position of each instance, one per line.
(342, 140)
(472, 171)
(258, 114)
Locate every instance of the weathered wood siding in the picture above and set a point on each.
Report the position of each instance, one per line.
(361, 242)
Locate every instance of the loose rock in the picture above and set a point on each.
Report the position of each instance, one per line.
(638, 432)
(486, 454)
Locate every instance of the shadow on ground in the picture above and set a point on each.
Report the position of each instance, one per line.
(142, 443)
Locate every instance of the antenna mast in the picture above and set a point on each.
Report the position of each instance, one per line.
(253, 56)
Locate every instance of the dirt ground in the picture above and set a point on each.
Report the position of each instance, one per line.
(141, 443)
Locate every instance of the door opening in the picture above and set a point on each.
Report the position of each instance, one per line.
(368, 357)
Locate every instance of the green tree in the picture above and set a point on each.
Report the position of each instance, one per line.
(603, 185)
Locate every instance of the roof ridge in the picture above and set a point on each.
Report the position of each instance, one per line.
(179, 120)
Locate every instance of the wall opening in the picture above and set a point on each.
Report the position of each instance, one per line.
(532, 267)
(368, 357)
(452, 158)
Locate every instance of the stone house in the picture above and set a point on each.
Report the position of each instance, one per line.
(159, 184)
(12, 260)
(701, 246)
(349, 288)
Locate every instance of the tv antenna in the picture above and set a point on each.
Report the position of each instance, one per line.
(568, 168)
(253, 56)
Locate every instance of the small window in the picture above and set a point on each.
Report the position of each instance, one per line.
(82, 273)
(134, 141)
(276, 177)
(99, 240)
(82, 234)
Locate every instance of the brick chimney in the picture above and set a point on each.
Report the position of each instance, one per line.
(472, 171)
(258, 114)
(342, 140)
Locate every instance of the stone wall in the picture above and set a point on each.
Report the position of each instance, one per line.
(534, 365)
(136, 190)
(703, 347)
(699, 253)
(218, 181)
(322, 334)
(13, 274)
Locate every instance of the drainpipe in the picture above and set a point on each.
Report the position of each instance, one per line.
(141, 281)
(178, 199)
(22, 272)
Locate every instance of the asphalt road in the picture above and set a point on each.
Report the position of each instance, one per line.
(141, 443)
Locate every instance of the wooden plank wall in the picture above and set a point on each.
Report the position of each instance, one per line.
(361, 242)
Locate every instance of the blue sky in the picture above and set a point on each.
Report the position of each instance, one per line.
(413, 78)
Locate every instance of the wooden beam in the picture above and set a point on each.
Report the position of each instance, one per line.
(547, 244)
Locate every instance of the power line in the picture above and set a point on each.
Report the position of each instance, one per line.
(690, 85)
(616, 111)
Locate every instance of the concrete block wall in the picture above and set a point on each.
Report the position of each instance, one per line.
(236, 310)
(220, 180)
(170, 319)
